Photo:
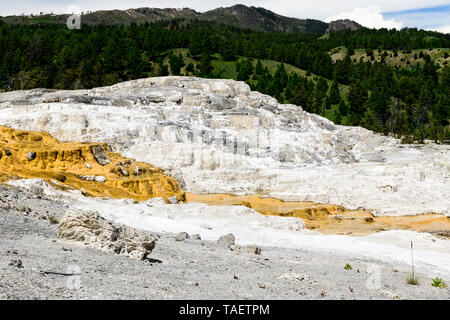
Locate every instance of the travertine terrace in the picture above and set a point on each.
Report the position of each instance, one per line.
(217, 136)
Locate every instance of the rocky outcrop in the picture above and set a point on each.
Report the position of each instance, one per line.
(343, 24)
(89, 228)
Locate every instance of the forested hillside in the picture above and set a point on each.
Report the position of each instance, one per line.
(409, 100)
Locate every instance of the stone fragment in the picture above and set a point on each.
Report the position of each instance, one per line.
(31, 155)
(182, 236)
(16, 263)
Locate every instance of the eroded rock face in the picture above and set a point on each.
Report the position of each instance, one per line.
(89, 228)
(223, 138)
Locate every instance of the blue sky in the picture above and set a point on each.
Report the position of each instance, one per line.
(428, 14)
(427, 18)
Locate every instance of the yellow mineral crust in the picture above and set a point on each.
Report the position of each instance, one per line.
(331, 219)
(89, 167)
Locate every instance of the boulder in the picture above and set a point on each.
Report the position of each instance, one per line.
(100, 155)
(92, 230)
(227, 239)
(196, 237)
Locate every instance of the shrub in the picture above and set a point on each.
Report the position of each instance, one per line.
(348, 266)
(438, 283)
(53, 219)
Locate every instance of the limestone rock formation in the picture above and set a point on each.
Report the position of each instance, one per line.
(224, 138)
(89, 228)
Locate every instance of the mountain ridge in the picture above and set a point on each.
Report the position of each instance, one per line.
(255, 18)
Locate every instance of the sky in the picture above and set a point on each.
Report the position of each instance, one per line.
(422, 14)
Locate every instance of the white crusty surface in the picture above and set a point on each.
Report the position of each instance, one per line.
(221, 137)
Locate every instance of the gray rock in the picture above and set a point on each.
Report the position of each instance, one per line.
(227, 239)
(196, 237)
(100, 155)
(16, 263)
(31, 155)
(182, 236)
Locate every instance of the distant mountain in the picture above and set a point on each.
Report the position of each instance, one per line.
(263, 20)
(238, 15)
(339, 25)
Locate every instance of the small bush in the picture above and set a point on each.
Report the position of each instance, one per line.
(348, 266)
(412, 280)
(438, 283)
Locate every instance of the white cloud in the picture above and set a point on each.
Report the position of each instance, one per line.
(443, 29)
(370, 17)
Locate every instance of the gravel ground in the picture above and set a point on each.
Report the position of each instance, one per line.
(35, 264)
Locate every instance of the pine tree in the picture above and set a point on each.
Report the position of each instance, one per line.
(378, 105)
(259, 68)
(422, 110)
(174, 63)
(342, 108)
(334, 94)
(205, 66)
(357, 98)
